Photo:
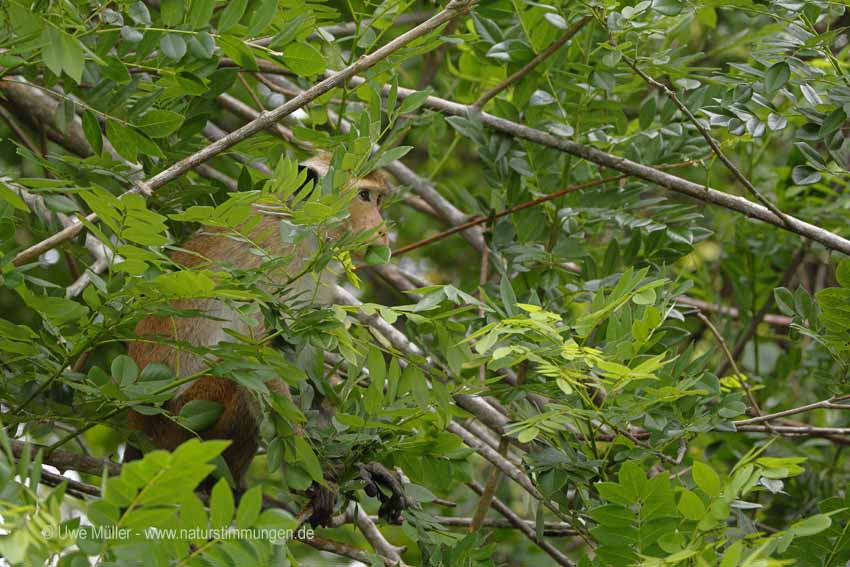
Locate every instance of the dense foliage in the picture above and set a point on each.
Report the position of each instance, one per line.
(600, 363)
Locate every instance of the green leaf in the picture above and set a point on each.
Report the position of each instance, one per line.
(811, 525)
(413, 101)
(691, 506)
(262, 17)
(667, 7)
(122, 140)
(202, 46)
(784, 300)
(842, 273)
(377, 255)
(172, 11)
(62, 52)
(832, 122)
(91, 128)
(528, 435)
(376, 364)
(156, 371)
(231, 15)
(644, 297)
(304, 59)
(173, 45)
(124, 369)
(308, 458)
(706, 479)
(777, 76)
(160, 123)
(200, 13)
(374, 397)
(646, 116)
(805, 175)
(199, 415)
(58, 310)
(237, 51)
(13, 198)
(391, 155)
(139, 13)
(249, 507)
(221, 505)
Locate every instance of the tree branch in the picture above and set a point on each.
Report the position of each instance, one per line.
(528, 67)
(266, 119)
(741, 205)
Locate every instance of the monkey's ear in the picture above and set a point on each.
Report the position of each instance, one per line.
(316, 167)
(312, 175)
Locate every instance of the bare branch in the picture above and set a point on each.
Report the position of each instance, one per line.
(526, 529)
(823, 404)
(66, 460)
(374, 536)
(797, 430)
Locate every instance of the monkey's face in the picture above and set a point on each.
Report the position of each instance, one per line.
(365, 210)
(365, 207)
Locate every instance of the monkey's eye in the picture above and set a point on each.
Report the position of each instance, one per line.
(365, 195)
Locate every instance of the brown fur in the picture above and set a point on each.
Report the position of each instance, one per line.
(239, 421)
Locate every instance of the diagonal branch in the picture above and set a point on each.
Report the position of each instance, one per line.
(525, 528)
(266, 119)
(528, 67)
(653, 175)
(730, 165)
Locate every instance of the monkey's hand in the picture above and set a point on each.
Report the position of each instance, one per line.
(323, 502)
(386, 485)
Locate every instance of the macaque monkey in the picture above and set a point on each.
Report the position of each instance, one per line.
(241, 414)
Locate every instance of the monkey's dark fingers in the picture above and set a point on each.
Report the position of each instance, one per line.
(387, 486)
(323, 502)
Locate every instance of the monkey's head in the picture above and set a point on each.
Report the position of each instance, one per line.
(365, 209)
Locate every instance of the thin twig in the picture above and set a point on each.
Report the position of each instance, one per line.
(525, 528)
(823, 404)
(740, 377)
(528, 67)
(556, 529)
(478, 220)
(730, 165)
(257, 102)
(772, 318)
(489, 491)
(748, 333)
(797, 430)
